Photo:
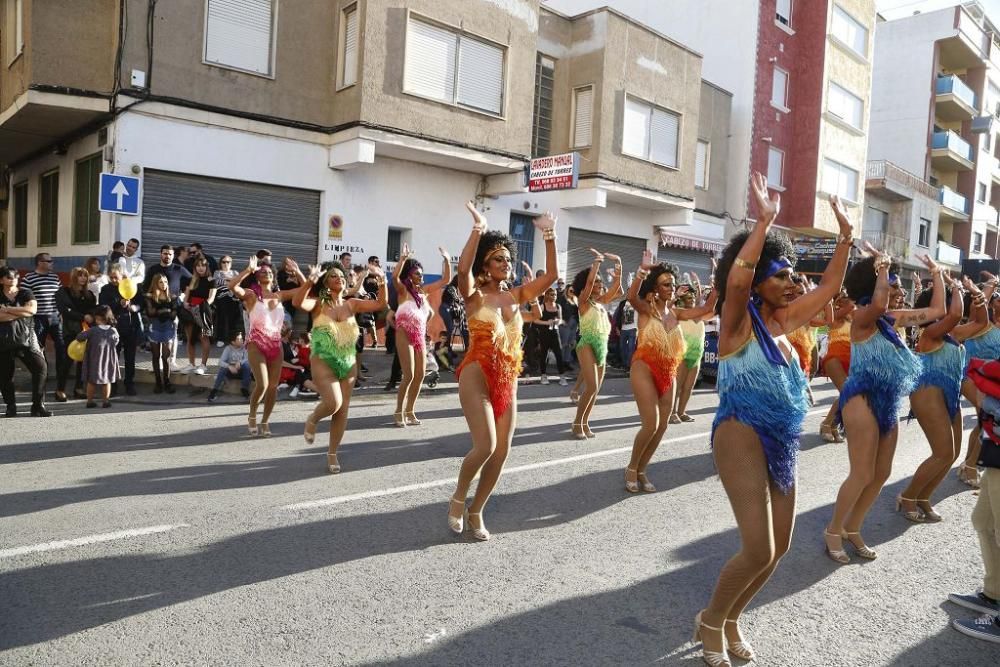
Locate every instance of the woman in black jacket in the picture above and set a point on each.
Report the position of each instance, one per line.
(18, 304)
(76, 304)
(126, 313)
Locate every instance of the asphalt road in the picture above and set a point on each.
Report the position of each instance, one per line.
(155, 534)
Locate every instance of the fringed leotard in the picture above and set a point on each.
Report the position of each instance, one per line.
(803, 340)
(694, 341)
(840, 346)
(943, 368)
(496, 346)
(984, 345)
(412, 320)
(595, 327)
(335, 342)
(883, 373)
(661, 351)
(265, 327)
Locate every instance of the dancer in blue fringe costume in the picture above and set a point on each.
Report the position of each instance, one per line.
(983, 344)
(935, 403)
(762, 403)
(883, 372)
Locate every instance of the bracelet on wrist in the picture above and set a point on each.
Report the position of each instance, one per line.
(743, 264)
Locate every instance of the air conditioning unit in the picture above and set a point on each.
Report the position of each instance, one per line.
(982, 124)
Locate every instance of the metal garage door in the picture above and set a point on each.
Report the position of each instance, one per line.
(228, 217)
(629, 248)
(687, 261)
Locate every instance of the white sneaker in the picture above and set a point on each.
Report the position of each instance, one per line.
(187, 370)
(544, 379)
(283, 386)
(220, 344)
(294, 393)
(199, 370)
(562, 382)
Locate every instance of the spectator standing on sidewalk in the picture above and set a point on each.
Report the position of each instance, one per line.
(132, 265)
(76, 304)
(228, 318)
(44, 284)
(127, 322)
(570, 330)
(95, 278)
(17, 307)
(198, 299)
(195, 250)
(174, 273)
(117, 250)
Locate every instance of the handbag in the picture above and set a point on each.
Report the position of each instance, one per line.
(204, 319)
(16, 334)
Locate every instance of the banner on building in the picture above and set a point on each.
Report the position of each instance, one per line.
(815, 248)
(555, 172)
(688, 243)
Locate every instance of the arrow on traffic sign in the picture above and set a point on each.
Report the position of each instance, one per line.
(120, 191)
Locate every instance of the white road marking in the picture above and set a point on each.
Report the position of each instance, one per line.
(380, 493)
(90, 539)
(432, 637)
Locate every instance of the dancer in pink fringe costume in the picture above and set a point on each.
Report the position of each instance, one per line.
(412, 315)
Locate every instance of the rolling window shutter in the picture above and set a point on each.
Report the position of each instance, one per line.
(480, 75)
(582, 124)
(635, 134)
(430, 62)
(701, 164)
(239, 34)
(663, 137)
(350, 74)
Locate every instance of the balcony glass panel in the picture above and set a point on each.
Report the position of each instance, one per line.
(953, 200)
(955, 86)
(948, 253)
(953, 143)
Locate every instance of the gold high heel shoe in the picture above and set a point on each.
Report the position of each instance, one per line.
(863, 550)
(836, 555)
(644, 483)
(397, 417)
(969, 480)
(741, 649)
(265, 430)
(411, 419)
(252, 425)
(631, 485)
(930, 516)
(332, 464)
(586, 430)
(578, 432)
(309, 435)
(456, 524)
(711, 658)
(479, 533)
(913, 515)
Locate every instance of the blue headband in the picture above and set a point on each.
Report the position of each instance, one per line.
(773, 267)
(894, 279)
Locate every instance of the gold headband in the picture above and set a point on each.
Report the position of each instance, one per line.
(494, 251)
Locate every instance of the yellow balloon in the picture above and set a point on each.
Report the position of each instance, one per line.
(127, 288)
(76, 350)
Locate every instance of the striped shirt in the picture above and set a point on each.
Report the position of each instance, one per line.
(44, 286)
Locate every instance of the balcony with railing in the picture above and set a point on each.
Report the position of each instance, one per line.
(948, 254)
(953, 205)
(950, 152)
(954, 100)
(969, 45)
(895, 183)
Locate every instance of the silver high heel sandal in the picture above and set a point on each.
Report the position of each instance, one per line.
(332, 464)
(913, 515)
(309, 437)
(480, 533)
(632, 486)
(836, 555)
(740, 649)
(579, 435)
(644, 483)
(411, 419)
(863, 550)
(456, 524)
(711, 658)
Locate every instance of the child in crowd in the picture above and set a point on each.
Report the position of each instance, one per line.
(442, 353)
(233, 364)
(431, 370)
(294, 367)
(100, 361)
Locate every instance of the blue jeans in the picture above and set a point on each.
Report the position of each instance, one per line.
(628, 339)
(224, 373)
(567, 338)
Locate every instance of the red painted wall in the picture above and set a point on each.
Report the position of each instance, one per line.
(795, 132)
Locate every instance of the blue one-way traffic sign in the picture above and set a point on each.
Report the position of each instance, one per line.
(119, 194)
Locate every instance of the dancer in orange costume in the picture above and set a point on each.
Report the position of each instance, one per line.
(837, 362)
(487, 377)
(659, 351)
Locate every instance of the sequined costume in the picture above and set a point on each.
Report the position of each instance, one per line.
(661, 351)
(334, 341)
(694, 341)
(883, 374)
(769, 398)
(496, 346)
(265, 327)
(803, 340)
(411, 319)
(839, 347)
(943, 368)
(595, 327)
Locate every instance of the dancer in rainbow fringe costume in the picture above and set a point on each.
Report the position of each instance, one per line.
(595, 327)
(936, 401)
(334, 352)
(266, 315)
(883, 372)
(984, 344)
(694, 348)
(658, 353)
(487, 377)
(412, 314)
(762, 403)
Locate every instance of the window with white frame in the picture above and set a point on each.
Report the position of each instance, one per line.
(779, 88)
(240, 34)
(13, 30)
(845, 105)
(453, 67)
(702, 157)
(650, 132)
(924, 233)
(783, 13)
(849, 31)
(981, 192)
(977, 241)
(840, 180)
(583, 114)
(348, 46)
(775, 167)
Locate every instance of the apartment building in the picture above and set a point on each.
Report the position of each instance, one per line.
(800, 74)
(935, 96)
(376, 134)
